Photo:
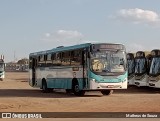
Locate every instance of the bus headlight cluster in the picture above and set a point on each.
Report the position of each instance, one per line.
(93, 80)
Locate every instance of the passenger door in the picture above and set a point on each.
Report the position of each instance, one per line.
(33, 66)
(85, 69)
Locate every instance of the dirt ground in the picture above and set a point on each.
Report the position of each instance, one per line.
(17, 95)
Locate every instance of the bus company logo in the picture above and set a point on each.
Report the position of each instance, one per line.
(6, 115)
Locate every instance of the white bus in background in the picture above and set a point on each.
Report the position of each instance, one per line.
(154, 74)
(79, 68)
(2, 69)
(131, 68)
(141, 69)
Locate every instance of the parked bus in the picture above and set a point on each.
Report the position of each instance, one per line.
(141, 69)
(2, 69)
(154, 74)
(149, 60)
(131, 68)
(79, 68)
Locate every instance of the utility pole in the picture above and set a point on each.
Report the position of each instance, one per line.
(14, 56)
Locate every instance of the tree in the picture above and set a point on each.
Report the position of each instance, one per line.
(23, 61)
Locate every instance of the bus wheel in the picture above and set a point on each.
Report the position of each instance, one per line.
(44, 87)
(77, 91)
(107, 92)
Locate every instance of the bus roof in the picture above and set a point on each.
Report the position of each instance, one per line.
(61, 48)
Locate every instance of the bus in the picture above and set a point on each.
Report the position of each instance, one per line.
(141, 69)
(131, 68)
(154, 74)
(80, 68)
(149, 60)
(2, 69)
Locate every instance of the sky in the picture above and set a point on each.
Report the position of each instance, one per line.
(28, 26)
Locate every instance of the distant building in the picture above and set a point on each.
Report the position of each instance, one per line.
(21, 65)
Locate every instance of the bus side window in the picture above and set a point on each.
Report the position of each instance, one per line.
(76, 57)
(41, 63)
(33, 63)
(38, 61)
(49, 60)
(30, 62)
(66, 58)
(54, 59)
(57, 60)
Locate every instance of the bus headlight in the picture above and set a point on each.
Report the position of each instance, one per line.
(93, 80)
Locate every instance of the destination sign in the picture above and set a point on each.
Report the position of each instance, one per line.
(155, 52)
(130, 56)
(140, 54)
(108, 46)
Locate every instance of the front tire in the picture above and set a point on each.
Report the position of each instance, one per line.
(107, 92)
(77, 91)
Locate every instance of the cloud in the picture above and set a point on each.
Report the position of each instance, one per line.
(138, 16)
(64, 34)
(138, 46)
(47, 34)
(64, 37)
(134, 47)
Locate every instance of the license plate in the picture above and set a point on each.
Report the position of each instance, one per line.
(110, 86)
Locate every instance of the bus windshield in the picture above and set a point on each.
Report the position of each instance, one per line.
(155, 66)
(108, 61)
(140, 65)
(130, 66)
(1, 66)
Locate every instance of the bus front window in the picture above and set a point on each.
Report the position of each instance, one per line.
(155, 66)
(1, 66)
(108, 61)
(140, 65)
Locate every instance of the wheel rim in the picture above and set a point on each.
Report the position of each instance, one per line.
(76, 88)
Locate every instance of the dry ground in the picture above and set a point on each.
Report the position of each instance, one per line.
(17, 95)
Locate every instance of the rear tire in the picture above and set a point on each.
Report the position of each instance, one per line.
(45, 89)
(107, 92)
(77, 91)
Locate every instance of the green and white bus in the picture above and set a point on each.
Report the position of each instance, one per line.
(154, 74)
(142, 67)
(79, 68)
(2, 69)
(131, 68)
